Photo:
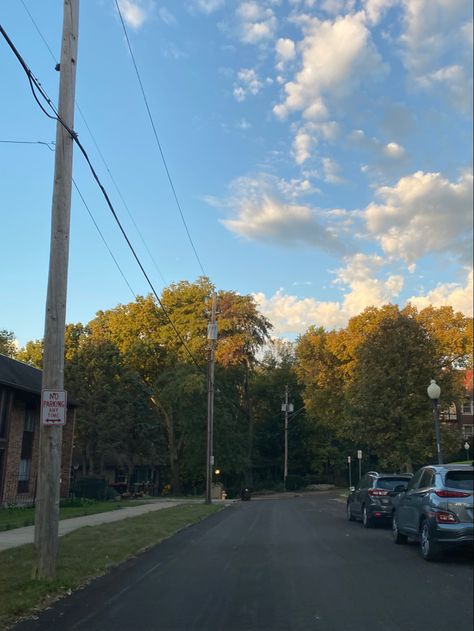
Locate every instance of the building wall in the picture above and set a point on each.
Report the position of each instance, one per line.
(16, 424)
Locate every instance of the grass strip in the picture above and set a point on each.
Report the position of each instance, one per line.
(84, 554)
(18, 517)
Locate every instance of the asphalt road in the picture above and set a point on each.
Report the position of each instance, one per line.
(269, 565)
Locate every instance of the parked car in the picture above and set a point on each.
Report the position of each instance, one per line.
(371, 499)
(436, 509)
(245, 495)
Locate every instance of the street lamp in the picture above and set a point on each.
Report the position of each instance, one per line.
(466, 447)
(434, 392)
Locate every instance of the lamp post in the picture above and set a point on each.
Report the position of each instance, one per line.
(466, 447)
(434, 392)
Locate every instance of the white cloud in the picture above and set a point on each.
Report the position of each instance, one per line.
(209, 6)
(269, 220)
(436, 42)
(394, 150)
(309, 134)
(375, 9)
(247, 83)
(134, 12)
(301, 146)
(335, 57)
(257, 22)
(361, 288)
(331, 171)
(454, 294)
(423, 213)
(285, 49)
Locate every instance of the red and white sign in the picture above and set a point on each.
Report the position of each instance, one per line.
(53, 407)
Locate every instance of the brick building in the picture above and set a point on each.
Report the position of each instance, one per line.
(20, 395)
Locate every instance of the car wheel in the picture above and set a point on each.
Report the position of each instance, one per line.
(366, 518)
(429, 549)
(396, 534)
(350, 516)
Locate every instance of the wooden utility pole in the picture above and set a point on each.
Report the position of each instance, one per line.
(285, 468)
(49, 472)
(212, 337)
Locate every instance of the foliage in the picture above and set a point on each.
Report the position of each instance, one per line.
(7, 343)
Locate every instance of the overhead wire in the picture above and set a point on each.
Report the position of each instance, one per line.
(53, 56)
(34, 83)
(155, 133)
(48, 145)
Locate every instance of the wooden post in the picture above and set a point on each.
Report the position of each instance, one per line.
(285, 467)
(212, 337)
(49, 467)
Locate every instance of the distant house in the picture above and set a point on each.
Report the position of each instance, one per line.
(20, 394)
(461, 415)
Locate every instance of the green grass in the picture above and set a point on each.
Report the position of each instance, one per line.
(17, 517)
(84, 554)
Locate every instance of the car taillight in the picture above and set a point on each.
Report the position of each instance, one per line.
(443, 517)
(443, 493)
(378, 492)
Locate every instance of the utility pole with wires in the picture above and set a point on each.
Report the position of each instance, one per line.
(49, 467)
(286, 408)
(212, 338)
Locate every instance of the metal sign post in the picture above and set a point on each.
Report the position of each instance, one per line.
(350, 470)
(359, 458)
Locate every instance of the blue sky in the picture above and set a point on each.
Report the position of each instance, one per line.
(320, 150)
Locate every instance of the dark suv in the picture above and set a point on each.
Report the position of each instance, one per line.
(371, 499)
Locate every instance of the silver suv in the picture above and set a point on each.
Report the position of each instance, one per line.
(436, 509)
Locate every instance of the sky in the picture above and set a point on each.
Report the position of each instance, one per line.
(320, 150)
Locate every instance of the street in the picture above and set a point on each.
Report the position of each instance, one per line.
(269, 565)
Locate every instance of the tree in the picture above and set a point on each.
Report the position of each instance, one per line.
(7, 343)
(387, 409)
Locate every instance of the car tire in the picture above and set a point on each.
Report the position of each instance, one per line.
(350, 516)
(367, 521)
(429, 549)
(396, 534)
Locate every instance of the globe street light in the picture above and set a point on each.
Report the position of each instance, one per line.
(466, 447)
(434, 392)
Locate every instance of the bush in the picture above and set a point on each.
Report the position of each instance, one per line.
(294, 482)
(92, 488)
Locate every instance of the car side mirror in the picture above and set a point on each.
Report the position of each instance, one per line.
(401, 488)
(352, 489)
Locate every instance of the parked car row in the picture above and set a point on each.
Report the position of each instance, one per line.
(434, 506)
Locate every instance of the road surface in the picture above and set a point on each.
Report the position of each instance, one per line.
(291, 564)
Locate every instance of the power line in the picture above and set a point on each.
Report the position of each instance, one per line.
(157, 138)
(99, 151)
(50, 145)
(39, 142)
(34, 83)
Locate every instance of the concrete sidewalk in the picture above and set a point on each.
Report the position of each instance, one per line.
(21, 536)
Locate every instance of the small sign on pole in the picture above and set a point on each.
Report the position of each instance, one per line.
(359, 454)
(53, 407)
(349, 459)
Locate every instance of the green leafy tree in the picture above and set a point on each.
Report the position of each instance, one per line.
(7, 343)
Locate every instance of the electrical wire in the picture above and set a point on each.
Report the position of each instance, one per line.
(35, 84)
(50, 145)
(155, 133)
(53, 56)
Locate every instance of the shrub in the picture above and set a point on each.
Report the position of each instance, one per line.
(294, 482)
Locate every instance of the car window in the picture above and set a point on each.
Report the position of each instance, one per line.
(427, 479)
(460, 480)
(391, 483)
(413, 484)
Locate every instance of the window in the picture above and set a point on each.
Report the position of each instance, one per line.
(467, 431)
(427, 479)
(390, 483)
(5, 398)
(24, 475)
(460, 480)
(467, 407)
(413, 484)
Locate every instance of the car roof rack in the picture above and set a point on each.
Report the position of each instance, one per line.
(372, 473)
